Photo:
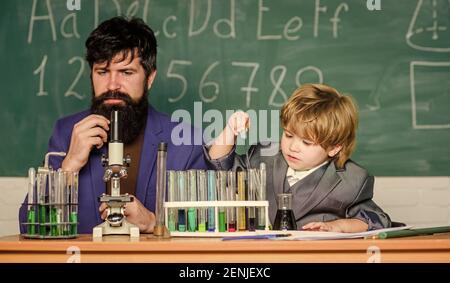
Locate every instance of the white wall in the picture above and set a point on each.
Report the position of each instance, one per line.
(12, 194)
(419, 201)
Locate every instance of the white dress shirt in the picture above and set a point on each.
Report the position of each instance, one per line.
(293, 176)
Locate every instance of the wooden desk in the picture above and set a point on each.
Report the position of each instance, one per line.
(213, 250)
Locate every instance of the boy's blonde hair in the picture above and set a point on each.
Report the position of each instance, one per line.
(321, 114)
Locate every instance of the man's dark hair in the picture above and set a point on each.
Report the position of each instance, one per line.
(122, 36)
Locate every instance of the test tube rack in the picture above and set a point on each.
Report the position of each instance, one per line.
(47, 225)
(216, 205)
(52, 206)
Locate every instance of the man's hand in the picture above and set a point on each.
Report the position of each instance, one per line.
(89, 132)
(340, 225)
(136, 214)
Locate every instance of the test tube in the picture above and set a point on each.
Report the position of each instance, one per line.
(261, 195)
(160, 189)
(241, 197)
(251, 195)
(182, 196)
(192, 192)
(62, 181)
(66, 194)
(202, 194)
(41, 190)
(31, 215)
(211, 175)
(222, 196)
(172, 186)
(73, 202)
(52, 188)
(231, 196)
(57, 181)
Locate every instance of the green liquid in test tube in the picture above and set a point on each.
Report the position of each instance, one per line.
(73, 219)
(61, 205)
(41, 186)
(31, 202)
(53, 184)
(66, 209)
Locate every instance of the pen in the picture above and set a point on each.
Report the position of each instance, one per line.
(413, 232)
(255, 237)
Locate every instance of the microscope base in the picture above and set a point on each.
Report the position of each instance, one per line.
(105, 229)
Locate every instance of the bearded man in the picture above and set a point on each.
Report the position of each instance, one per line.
(122, 55)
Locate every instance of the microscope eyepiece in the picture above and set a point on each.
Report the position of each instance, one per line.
(116, 129)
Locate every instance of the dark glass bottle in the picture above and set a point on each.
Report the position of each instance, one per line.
(285, 219)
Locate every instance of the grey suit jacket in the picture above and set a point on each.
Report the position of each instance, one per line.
(326, 194)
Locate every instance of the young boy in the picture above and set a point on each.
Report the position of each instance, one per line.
(330, 192)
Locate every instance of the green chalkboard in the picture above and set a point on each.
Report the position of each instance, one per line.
(243, 54)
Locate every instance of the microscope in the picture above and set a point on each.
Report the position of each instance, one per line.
(116, 168)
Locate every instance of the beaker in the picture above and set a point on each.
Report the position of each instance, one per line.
(285, 219)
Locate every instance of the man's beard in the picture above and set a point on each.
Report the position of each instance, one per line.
(133, 114)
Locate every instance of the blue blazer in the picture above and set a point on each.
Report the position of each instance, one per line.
(91, 186)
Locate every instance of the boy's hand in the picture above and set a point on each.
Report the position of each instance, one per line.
(322, 226)
(238, 123)
(340, 225)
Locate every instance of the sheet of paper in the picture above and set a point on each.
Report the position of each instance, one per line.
(319, 235)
